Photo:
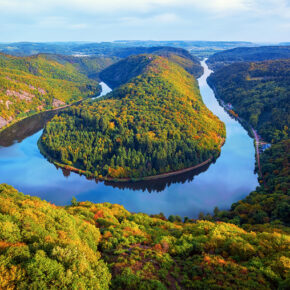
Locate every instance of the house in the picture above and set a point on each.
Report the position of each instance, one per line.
(265, 146)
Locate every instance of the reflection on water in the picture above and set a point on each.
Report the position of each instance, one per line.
(31, 125)
(159, 185)
(220, 184)
(152, 185)
(25, 128)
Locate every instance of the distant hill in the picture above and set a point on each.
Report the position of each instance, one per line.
(178, 55)
(120, 72)
(240, 54)
(87, 65)
(198, 48)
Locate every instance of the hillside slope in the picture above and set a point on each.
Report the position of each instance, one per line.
(259, 93)
(33, 84)
(153, 124)
(241, 54)
(43, 246)
(90, 66)
(122, 71)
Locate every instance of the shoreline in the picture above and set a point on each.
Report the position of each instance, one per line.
(250, 130)
(125, 179)
(15, 121)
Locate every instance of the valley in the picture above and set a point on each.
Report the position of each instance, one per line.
(216, 184)
(140, 172)
(34, 84)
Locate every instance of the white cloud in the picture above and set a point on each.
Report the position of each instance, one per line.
(60, 22)
(222, 5)
(159, 19)
(101, 6)
(190, 17)
(145, 6)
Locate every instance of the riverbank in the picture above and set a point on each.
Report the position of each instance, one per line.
(17, 120)
(129, 179)
(223, 182)
(251, 131)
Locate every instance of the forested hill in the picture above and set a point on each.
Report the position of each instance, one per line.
(259, 93)
(178, 55)
(153, 124)
(248, 54)
(32, 84)
(90, 66)
(102, 246)
(124, 70)
(120, 72)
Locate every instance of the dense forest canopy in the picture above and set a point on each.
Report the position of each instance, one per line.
(90, 66)
(44, 247)
(97, 246)
(269, 204)
(154, 123)
(121, 72)
(124, 70)
(36, 83)
(241, 54)
(259, 93)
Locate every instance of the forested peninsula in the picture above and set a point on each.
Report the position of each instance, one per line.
(155, 123)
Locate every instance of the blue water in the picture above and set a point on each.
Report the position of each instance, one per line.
(224, 182)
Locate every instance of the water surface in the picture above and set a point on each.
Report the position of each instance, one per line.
(226, 181)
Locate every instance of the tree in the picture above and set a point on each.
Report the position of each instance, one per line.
(74, 201)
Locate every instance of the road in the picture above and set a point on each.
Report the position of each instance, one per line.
(257, 140)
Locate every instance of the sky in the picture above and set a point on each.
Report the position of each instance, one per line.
(265, 21)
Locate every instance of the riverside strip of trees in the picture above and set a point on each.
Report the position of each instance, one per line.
(259, 93)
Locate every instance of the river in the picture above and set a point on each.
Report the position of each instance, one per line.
(220, 184)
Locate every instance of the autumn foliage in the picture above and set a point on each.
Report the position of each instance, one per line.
(83, 245)
(154, 123)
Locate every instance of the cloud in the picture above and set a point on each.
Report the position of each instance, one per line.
(108, 6)
(222, 5)
(192, 18)
(145, 6)
(158, 19)
(60, 23)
